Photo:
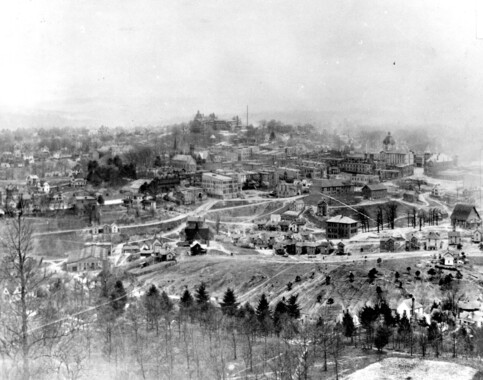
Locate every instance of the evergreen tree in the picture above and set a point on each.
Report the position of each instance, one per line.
(186, 300)
(202, 297)
(263, 308)
(279, 314)
(152, 305)
(382, 337)
(368, 316)
(229, 305)
(372, 274)
(293, 309)
(348, 324)
(386, 312)
(118, 298)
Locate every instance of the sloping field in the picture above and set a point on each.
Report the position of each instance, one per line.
(402, 369)
(250, 276)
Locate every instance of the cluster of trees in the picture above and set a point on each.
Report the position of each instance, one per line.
(113, 173)
(75, 327)
(422, 217)
(386, 214)
(381, 328)
(54, 325)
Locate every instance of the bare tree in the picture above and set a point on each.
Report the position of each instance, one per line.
(24, 275)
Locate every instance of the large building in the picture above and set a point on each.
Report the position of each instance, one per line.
(220, 186)
(336, 187)
(465, 216)
(399, 161)
(341, 227)
(184, 162)
(374, 191)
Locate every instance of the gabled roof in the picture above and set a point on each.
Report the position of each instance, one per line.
(185, 158)
(434, 235)
(93, 251)
(341, 219)
(375, 186)
(463, 211)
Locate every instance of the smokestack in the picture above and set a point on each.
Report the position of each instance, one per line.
(412, 307)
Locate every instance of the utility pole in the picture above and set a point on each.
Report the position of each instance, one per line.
(480, 178)
(247, 116)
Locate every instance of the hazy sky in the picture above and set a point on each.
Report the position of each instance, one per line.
(141, 61)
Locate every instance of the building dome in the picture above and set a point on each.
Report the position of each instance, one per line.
(388, 140)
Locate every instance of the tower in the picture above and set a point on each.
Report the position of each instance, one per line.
(388, 142)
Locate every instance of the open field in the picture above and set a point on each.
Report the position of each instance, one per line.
(251, 275)
(395, 369)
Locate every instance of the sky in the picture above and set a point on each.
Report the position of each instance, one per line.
(119, 62)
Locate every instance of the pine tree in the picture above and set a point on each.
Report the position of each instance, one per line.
(348, 324)
(293, 309)
(382, 337)
(229, 306)
(118, 298)
(279, 314)
(351, 277)
(152, 304)
(186, 300)
(263, 308)
(202, 297)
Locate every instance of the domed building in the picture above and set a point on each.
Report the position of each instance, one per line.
(399, 162)
(388, 142)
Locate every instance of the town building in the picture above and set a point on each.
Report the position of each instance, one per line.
(184, 162)
(335, 187)
(374, 191)
(220, 186)
(90, 258)
(341, 227)
(465, 216)
(454, 237)
(196, 229)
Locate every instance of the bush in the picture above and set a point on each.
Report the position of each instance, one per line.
(298, 279)
(289, 286)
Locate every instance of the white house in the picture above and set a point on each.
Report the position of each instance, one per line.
(476, 237)
(410, 307)
(43, 186)
(437, 191)
(448, 259)
(275, 218)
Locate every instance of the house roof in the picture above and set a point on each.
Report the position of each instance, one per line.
(185, 158)
(93, 251)
(434, 235)
(341, 219)
(463, 211)
(375, 187)
(448, 253)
